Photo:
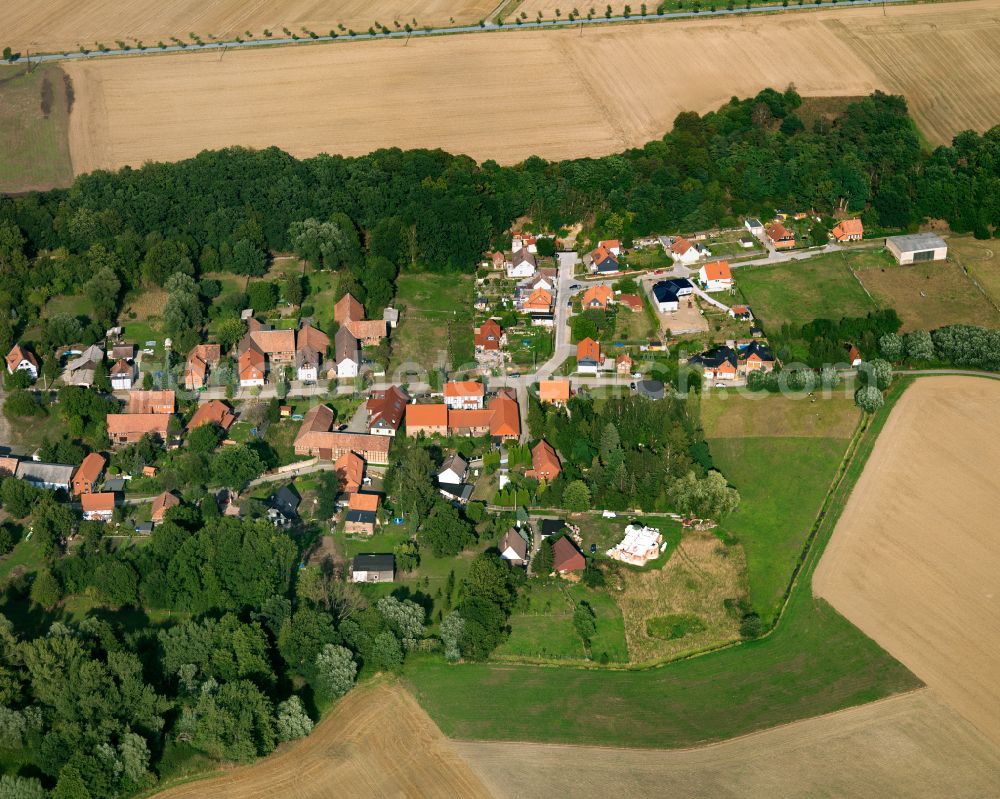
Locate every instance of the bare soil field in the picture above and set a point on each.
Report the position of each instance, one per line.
(458, 92)
(915, 559)
(376, 743)
(908, 746)
(61, 25)
(700, 576)
(928, 296)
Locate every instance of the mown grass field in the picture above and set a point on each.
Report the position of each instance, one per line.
(34, 129)
(814, 662)
(435, 321)
(796, 293)
(780, 453)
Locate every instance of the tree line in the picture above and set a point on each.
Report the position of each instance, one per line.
(226, 210)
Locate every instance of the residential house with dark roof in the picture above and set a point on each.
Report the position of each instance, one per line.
(719, 363)
(514, 547)
(286, 501)
(667, 293)
(453, 470)
(362, 512)
(80, 371)
(347, 352)
(603, 262)
(522, 264)
(373, 569)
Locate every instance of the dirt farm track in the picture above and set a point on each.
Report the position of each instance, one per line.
(511, 94)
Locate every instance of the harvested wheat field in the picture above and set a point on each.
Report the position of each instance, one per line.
(908, 746)
(461, 92)
(915, 559)
(60, 25)
(376, 743)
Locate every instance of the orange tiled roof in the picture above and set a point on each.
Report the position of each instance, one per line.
(553, 390)
(718, 270)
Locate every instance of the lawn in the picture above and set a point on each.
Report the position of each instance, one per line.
(435, 320)
(928, 296)
(632, 326)
(821, 287)
(814, 662)
(542, 624)
(426, 584)
(34, 128)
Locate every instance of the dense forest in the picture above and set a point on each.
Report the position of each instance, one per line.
(431, 210)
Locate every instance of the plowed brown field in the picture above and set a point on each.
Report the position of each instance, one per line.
(376, 743)
(915, 559)
(512, 94)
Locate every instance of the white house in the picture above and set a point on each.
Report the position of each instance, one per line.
(122, 375)
(716, 276)
(521, 265)
(523, 241)
(348, 354)
(667, 293)
(754, 226)
(917, 248)
(464, 395)
(307, 364)
(614, 246)
(20, 360)
(453, 471)
(514, 547)
(683, 251)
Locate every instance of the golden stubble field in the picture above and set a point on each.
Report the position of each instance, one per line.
(907, 746)
(512, 94)
(65, 25)
(376, 743)
(915, 559)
